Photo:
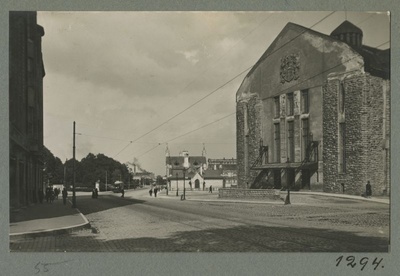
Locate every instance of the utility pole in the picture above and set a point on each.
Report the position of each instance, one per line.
(65, 173)
(73, 171)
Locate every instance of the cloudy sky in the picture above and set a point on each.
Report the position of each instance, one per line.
(134, 81)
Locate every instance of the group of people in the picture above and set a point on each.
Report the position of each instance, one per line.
(155, 190)
(51, 194)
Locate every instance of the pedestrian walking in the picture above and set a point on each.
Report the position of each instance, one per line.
(47, 194)
(151, 192)
(210, 190)
(204, 185)
(40, 195)
(64, 195)
(155, 191)
(51, 195)
(56, 193)
(96, 193)
(122, 192)
(368, 189)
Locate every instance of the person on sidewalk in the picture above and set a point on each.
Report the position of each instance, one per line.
(51, 195)
(40, 195)
(368, 189)
(150, 192)
(64, 195)
(47, 194)
(210, 191)
(155, 191)
(123, 192)
(96, 193)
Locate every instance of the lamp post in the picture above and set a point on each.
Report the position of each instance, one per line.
(166, 184)
(184, 188)
(176, 184)
(185, 167)
(287, 201)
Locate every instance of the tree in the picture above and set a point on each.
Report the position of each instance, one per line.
(53, 168)
(159, 180)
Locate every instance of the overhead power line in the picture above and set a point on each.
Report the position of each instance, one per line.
(220, 119)
(206, 125)
(176, 115)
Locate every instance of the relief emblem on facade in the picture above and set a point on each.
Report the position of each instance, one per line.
(290, 66)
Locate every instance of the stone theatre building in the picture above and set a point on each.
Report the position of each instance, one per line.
(314, 113)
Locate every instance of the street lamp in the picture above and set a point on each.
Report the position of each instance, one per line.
(176, 184)
(185, 167)
(287, 201)
(166, 179)
(184, 188)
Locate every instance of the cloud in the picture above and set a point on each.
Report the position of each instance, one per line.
(119, 75)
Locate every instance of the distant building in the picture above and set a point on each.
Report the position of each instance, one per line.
(198, 174)
(185, 167)
(314, 112)
(227, 170)
(26, 72)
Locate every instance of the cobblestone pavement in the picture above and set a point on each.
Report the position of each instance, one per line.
(159, 225)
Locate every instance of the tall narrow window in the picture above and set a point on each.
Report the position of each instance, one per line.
(277, 137)
(342, 148)
(277, 107)
(341, 98)
(291, 141)
(290, 104)
(304, 102)
(305, 138)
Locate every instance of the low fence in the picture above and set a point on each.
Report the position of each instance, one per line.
(249, 193)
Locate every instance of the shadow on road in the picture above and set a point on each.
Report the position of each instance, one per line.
(233, 239)
(87, 205)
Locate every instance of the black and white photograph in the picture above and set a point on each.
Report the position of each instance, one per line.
(200, 132)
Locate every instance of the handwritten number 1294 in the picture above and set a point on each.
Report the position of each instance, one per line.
(352, 262)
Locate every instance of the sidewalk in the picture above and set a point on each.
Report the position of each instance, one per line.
(205, 196)
(46, 218)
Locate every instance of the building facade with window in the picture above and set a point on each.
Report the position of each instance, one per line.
(26, 72)
(228, 171)
(314, 113)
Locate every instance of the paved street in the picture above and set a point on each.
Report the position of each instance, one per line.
(140, 223)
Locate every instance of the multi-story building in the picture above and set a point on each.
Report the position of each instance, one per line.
(26, 72)
(314, 111)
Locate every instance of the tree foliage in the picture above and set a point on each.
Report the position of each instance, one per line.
(100, 167)
(53, 172)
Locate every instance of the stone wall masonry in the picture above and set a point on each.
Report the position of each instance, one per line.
(240, 141)
(366, 158)
(249, 193)
(330, 129)
(248, 145)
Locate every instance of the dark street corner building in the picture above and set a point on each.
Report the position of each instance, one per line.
(26, 72)
(314, 113)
